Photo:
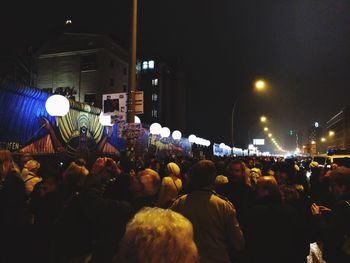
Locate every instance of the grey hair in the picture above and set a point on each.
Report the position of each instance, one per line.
(156, 235)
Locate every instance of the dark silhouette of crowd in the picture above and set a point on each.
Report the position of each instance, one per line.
(174, 209)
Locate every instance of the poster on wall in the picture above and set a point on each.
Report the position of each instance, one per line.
(115, 106)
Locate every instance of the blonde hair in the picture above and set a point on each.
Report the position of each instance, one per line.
(158, 235)
(75, 170)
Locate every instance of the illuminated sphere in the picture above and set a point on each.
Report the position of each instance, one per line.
(165, 132)
(208, 143)
(176, 135)
(192, 138)
(155, 128)
(137, 119)
(222, 145)
(105, 120)
(57, 105)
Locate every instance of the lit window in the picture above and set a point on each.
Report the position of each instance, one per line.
(145, 65)
(154, 82)
(151, 64)
(154, 97)
(154, 113)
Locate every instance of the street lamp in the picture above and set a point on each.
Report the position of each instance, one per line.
(331, 133)
(266, 129)
(260, 84)
(323, 139)
(270, 135)
(263, 119)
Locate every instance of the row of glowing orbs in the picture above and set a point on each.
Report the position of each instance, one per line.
(58, 106)
(164, 132)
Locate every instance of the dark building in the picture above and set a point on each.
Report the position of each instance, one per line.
(85, 65)
(338, 130)
(163, 84)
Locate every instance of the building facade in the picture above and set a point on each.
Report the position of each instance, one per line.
(164, 87)
(84, 65)
(338, 129)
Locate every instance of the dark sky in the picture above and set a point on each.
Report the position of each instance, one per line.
(302, 47)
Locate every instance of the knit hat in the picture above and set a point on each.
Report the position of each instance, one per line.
(173, 168)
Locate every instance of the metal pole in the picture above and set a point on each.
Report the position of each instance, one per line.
(132, 64)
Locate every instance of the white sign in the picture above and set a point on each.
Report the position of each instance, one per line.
(115, 106)
(259, 141)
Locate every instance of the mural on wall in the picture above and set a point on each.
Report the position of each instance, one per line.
(27, 127)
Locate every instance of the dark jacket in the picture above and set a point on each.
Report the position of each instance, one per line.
(273, 232)
(333, 226)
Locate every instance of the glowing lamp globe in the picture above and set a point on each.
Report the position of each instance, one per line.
(176, 135)
(155, 128)
(105, 120)
(222, 145)
(192, 138)
(57, 105)
(165, 132)
(137, 119)
(207, 143)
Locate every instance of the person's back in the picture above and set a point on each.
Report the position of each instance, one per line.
(272, 229)
(216, 229)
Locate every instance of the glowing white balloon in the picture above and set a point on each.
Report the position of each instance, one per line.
(176, 135)
(192, 138)
(57, 105)
(155, 128)
(165, 132)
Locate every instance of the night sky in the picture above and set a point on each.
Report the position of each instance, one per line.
(302, 47)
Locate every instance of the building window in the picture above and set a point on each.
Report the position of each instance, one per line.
(111, 64)
(90, 99)
(154, 82)
(125, 71)
(89, 63)
(154, 97)
(154, 113)
(111, 82)
(151, 64)
(145, 65)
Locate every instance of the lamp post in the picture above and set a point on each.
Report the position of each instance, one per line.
(259, 85)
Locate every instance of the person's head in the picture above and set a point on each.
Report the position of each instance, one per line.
(32, 166)
(156, 235)
(6, 163)
(203, 174)
(236, 171)
(105, 168)
(75, 174)
(340, 181)
(25, 157)
(145, 183)
(266, 186)
(220, 167)
(173, 169)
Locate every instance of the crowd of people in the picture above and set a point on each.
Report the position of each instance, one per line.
(174, 209)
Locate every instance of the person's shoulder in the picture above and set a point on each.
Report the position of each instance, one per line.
(222, 199)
